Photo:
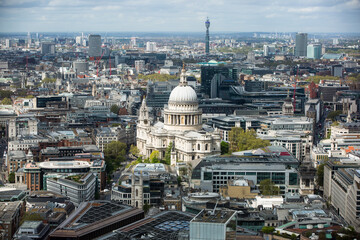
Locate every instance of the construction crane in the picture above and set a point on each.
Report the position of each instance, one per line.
(97, 64)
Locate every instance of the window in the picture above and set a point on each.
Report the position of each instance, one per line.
(206, 147)
(198, 146)
(137, 193)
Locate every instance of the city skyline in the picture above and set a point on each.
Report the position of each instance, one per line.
(179, 16)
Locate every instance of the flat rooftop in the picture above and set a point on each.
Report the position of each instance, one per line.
(162, 226)
(69, 164)
(217, 216)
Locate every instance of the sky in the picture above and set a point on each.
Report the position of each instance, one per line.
(311, 16)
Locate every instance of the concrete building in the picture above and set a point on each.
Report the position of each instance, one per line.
(345, 192)
(213, 225)
(79, 188)
(314, 51)
(81, 67)
(35, 230)
(10, 214)
(94, 46)
(151, 46)
(15, 160)
(139, 66)
(301, 45)
(274, 163)
(37, 173)
(239, 189)
(48, 48)
(22, 126)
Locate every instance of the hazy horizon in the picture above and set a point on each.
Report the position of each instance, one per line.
(231, 16)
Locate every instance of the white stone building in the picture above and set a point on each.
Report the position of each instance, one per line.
(182, 127)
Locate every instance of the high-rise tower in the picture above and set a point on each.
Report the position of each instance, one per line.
(207, 38)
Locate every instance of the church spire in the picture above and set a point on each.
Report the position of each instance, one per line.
(183, 81)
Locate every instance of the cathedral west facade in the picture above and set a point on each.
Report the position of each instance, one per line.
(182, 126)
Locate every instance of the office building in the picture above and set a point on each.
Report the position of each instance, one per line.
(314, 51)
(36, 174)
(301, 45)
(10, 215)
(208, 73)
(8, 43)
(139, 66)
(344, 183)
(213, 224)
(80, 67)
(79, 188)
(151, 46)
(207, 37)
(94, 46)
(35, 230)
(337, 70)
(47, 48)
(94, 219)
(239, 188)
(275, 163)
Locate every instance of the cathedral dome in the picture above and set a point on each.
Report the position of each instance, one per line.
(183, 94)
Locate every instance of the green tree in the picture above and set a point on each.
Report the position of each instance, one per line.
(146, 208)
(317, 79)
(241, 140)
(224, 147)
(49, 80)
(6, 101)
(115, 154)
(268, 230)
(115, 109)
(29, 96)
(157, 77)
(154, 157)
(320, 174)
(134, 150)
(332, 115)
(267, 187)
(167, 158)
(6, 94)
(12, 177)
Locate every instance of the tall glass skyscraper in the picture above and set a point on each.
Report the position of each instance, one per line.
(301, 45)
(207, 37)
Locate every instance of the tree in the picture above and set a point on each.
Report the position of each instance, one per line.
(49, 80)
(11, 177)
(332, 115)
(29, 96)
(154, 157)
(6, 94)
(224, 147)
(268, 230)
(6, 101)
(167, 158)
(115, 109)
(157, 77)
(146, 208)
(115, 153)
(134, 150)
(267, 187)
(241, 140)
(320, 174)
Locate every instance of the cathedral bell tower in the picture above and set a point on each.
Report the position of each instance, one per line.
(144, 114)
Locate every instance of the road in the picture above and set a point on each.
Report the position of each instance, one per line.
(319, 131)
